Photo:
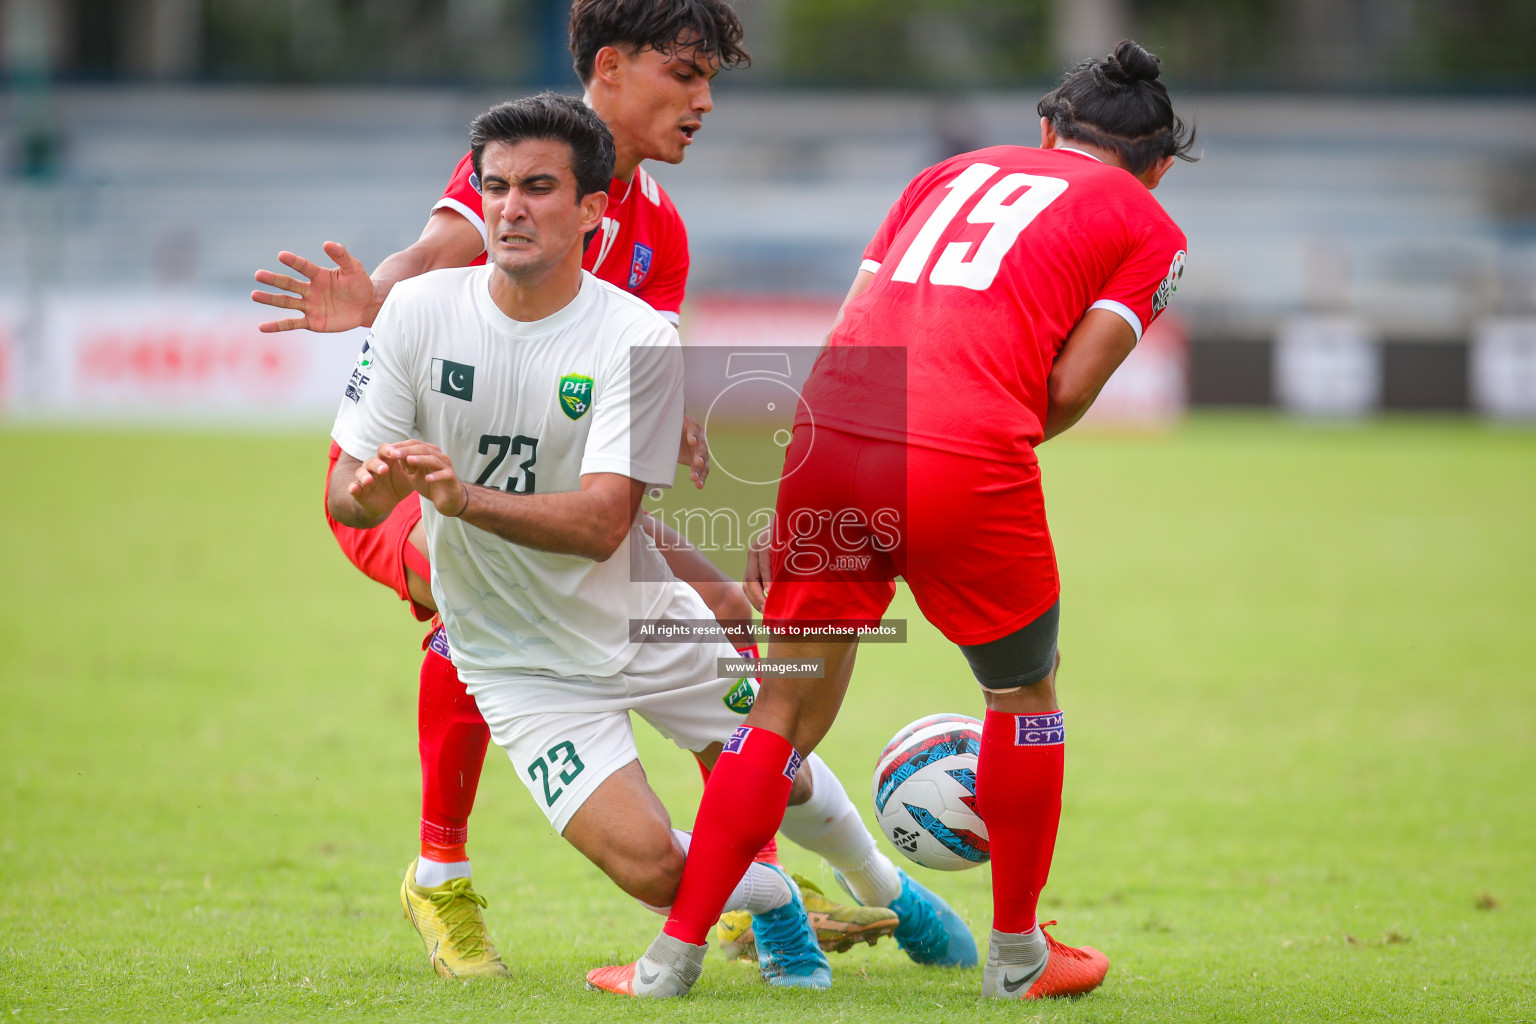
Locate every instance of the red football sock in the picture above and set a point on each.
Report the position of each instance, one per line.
(742, 808)
(769, 854)
(1018, 795)
(453, 737)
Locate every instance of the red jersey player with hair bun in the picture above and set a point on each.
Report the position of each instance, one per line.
(647, 68)
(1000, 293)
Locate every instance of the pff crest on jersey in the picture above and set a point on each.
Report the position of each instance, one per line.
(741, 696)
(575, 391)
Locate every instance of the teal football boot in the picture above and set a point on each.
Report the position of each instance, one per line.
(930, 932)
(787, 951)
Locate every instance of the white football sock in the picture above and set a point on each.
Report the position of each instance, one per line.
(828, 824)
(761, 889)
(432, 873)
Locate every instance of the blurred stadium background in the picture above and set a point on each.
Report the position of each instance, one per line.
(1362, 228)
(1300, 658)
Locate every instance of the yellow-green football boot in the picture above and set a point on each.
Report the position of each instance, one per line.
(839, 926)
(448, 919)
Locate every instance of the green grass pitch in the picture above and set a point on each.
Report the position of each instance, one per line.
(1300, 682)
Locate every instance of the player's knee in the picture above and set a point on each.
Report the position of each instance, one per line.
(654, 879)
(1023, 662)
(645, 862)
(789, 714)
(1034, 699)
(804, 785)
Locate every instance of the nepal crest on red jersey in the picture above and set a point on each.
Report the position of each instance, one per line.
(639, 265)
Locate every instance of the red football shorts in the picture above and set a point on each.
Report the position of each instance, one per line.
(967, 534)
(384, 552)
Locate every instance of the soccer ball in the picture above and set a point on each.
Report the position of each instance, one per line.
(925, 793)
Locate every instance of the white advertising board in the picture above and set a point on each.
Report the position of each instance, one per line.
(1327, 366)
(1503, 368)
(168, 357)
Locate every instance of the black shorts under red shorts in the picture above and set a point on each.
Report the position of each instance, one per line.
(384, 552)
(969, 536)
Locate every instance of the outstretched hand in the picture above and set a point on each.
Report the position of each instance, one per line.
(329, 300)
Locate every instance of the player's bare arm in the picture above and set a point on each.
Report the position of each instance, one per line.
(346, 296)
(1095, 348)
(724, 596)
(362, 495)
(591, 522)
(447, 240)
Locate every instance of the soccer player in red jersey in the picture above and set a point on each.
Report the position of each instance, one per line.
(647, 68)
(1000, 293)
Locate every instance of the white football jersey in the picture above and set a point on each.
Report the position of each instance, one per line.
(526, 407)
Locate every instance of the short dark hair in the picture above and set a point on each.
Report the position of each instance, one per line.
(1118, 104)
(707, 27)
(551, 116)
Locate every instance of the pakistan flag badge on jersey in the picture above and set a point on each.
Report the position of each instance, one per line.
(575, 395)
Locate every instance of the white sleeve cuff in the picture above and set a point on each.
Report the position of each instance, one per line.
(871, 266)
(669, 316)
(1124, 312)
(353, 445)
(473, 216)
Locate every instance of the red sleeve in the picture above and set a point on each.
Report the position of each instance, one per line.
(665, 286)
(875, 252)
(462, 195)
(1141, 287)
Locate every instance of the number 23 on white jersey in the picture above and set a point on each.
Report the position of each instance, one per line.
(957, 265)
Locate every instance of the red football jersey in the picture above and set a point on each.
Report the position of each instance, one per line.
(982, 268)
(642, 246)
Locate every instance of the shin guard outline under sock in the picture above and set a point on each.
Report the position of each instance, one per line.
(769, 854)
(742, 807)
(452, 740)
(1018, 795)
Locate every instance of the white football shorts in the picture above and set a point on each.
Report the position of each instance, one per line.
(566, 735)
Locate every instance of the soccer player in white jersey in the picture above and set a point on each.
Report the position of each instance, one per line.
(562, 396)
(647, 67)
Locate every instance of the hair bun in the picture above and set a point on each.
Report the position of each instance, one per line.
(1132, 63)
